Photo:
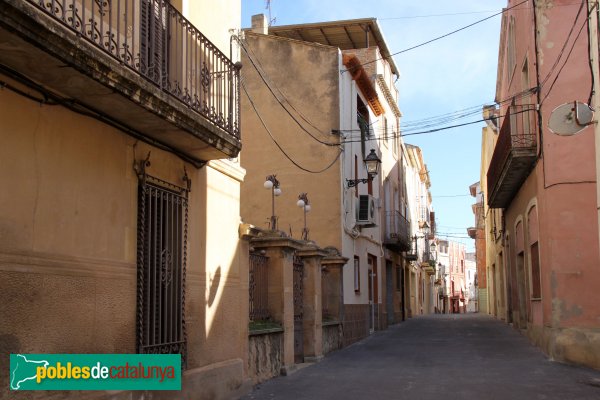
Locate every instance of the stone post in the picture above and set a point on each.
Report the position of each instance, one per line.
(334, 264)
(312, 307)
(280, 251)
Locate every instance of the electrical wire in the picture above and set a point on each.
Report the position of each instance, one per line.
(465, 13)
(443, 36)
(437, 129)
(565, 62)
(564, 46)
(52, 98)
(259, 68)
(438, 15)
(286, 155)
(262, 75)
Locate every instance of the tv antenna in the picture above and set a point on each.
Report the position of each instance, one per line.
(570, 118)
(268, 7)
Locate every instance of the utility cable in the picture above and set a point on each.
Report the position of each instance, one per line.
(443, 36)
(259, 68)
(566, 60)
(465, 13)
(564, 46)
(261, 74)
(262, 121)
(439, 129)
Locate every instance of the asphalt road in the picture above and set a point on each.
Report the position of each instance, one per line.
(441, 357)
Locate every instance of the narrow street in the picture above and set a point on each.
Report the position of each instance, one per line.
(440, 356)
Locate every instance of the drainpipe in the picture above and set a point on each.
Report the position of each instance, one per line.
(593, 22)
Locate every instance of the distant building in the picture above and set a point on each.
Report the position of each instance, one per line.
(471, 296)
(337, 80)
(477, 233)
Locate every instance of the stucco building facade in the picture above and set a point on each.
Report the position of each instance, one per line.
(542, 174)
(421, 267)
(318, 99)
(115, 144)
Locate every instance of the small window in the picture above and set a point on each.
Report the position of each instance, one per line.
(356, 274)
(511, 48)
(536, 287)
(386, 136)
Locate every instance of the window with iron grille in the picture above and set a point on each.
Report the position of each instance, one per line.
(161, 263)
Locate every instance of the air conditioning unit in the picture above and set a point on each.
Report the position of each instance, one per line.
(366, 210)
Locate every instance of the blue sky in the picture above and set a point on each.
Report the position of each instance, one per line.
(448, 75)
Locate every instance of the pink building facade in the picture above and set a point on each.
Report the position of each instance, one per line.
(546, 269)
(456, 258)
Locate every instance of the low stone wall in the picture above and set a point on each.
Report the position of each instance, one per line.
(265, 352)
(332, 336)
(356, 322)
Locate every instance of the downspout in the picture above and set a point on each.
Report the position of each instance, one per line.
(593, 24)
(537, 78)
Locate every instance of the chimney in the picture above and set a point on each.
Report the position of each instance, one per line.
(260, 24)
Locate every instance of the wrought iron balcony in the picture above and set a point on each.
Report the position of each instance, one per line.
(139, 63)
(514, 155)
(397, 236)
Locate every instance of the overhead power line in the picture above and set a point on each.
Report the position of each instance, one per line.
(435, 130)
(584, 23)
(273, 89)
(465, 13)
(443, 36)
(286, 155)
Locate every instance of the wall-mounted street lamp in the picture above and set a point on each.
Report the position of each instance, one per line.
(273, 184)
(305, 205)
(372, 162)
(432, 248)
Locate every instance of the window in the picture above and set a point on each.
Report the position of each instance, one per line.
(161, 258)
(356, 274)
(386, 136)
(395, 137)
(536, 288)
(511, 48)
(154, 40)
(533, 234)
(355, 174)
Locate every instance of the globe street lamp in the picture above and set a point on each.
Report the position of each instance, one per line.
(305, 205)
(273, 184)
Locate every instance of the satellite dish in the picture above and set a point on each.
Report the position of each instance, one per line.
(570, 118)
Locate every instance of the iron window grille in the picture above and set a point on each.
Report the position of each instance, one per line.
(161, 266)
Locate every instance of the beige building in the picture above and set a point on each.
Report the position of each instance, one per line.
(421, 266)
(120, 211)
(492, 299)
(319, 99)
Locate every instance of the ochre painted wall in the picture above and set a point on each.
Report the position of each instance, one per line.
(68, 229)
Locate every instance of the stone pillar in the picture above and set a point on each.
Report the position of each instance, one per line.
(312, 307)
(334, 264)
(280, 251)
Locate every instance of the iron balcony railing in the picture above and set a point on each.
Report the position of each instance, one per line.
(515, 149)
(158, 42)
(397, 230)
